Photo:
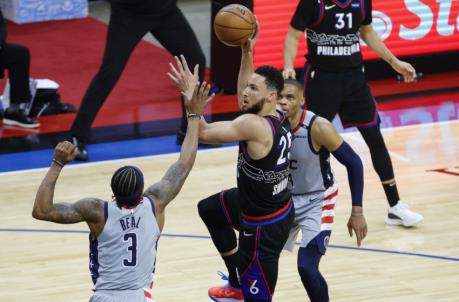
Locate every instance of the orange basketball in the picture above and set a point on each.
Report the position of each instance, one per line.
(234, 24)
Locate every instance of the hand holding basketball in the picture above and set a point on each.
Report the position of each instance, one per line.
(234, 24)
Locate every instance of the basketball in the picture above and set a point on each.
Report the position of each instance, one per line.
(234, 24)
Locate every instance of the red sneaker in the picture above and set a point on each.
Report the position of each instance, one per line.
(225, 293)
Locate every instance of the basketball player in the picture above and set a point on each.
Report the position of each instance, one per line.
(124, 232)
(333, 29)
(266, 212)
(314, 188)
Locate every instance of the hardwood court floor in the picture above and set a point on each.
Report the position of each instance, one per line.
(53, 266)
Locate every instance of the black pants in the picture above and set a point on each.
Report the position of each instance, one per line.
(345, 93)
(260, 242)
(16, 59)
(125, 30)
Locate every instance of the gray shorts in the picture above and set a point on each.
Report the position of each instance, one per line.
(138, 295)
(308, 217)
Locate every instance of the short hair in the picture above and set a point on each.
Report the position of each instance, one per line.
(294, 82)
(127, 186)
(273, 78)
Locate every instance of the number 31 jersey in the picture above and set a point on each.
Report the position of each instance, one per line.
(124, 255)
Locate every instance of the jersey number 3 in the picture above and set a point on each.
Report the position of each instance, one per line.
(132, 239)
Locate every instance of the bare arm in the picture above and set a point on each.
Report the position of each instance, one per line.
(243, 128)
(89, 209)
(246, 68)
(324, 134)
(290, 50)
(371, 38)
(169, 186)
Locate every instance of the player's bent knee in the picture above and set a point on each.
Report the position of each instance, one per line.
(208, 207)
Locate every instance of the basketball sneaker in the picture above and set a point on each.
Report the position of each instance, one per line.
(400, 214)
(225, 293)
(19, 118)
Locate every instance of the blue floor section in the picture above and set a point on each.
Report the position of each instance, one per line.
(97, 152)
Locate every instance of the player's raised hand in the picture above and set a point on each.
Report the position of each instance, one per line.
(200, 98)
(183, 77)
(405, 69)
(65, 152)
(250, 43)
(289, 73)
(358, 224)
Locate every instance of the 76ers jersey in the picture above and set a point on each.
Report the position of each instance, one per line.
(124, 255)
(262, 183)
(310, 170)
(332, 31)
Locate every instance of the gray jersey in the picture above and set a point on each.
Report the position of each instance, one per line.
(123, 256)
(310, 171)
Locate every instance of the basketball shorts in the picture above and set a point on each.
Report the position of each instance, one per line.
(314, 216)
(261, 240)
(308, 216)
(138, 295)
(344, 93)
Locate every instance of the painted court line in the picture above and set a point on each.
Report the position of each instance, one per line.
(360, 249)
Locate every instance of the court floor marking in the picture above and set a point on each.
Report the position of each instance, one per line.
(343, 247)
(347, 134)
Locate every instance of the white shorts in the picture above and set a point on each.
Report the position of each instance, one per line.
(313, 213)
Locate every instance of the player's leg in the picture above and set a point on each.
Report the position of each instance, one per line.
(359, 109)
(260, 245)
(177, 36)
(220, 214)
(398, 213)
(322, 92)
(308, 267)
(123, 35)
(308, 214)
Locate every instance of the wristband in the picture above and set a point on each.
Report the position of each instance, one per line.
(192, 114)
(59, 163)
(356, 214)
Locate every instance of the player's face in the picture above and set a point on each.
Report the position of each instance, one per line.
(291, 100)
(254, 95)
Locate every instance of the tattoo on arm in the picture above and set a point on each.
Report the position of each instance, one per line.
(169, 186)
(88, 209)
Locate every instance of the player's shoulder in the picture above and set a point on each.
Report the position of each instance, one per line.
(321, 126)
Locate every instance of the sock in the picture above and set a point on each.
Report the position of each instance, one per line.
(231, 263)
(391, 193)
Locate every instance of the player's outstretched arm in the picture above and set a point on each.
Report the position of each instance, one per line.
(164, 191)
(246, 67)
(290, 50)
(324, 134)
(89, 209)
(372, 39)
(244, 128)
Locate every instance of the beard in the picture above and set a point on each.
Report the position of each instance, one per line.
(255, 108)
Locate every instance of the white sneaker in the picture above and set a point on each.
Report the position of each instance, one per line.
(400, 214)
